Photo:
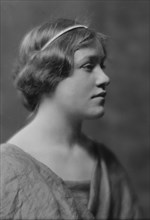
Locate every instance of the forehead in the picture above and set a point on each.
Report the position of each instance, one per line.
(85, 53)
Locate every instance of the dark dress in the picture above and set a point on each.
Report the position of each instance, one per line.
(31, 190)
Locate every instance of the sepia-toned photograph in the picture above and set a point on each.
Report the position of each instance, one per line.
(74, 110)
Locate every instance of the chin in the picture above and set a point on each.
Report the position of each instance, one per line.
(96, 114)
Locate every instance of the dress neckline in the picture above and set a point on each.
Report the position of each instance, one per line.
(68, 182)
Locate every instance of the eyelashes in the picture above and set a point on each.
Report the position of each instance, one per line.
(90, 66)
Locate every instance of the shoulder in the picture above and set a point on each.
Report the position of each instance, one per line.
(125, 200)
(11, 171)
(105, 155)
(108, 156)
(101, 151)
(17, 169)
(14, 166)
(21, 185)
(12, 158)
(117, 174)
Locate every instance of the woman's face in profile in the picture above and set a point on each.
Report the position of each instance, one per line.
(83, 93)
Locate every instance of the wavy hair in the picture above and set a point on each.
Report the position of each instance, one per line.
(38, 72)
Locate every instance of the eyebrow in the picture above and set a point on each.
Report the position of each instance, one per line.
(93, 58)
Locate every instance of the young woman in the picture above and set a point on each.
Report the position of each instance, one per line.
(50, 169)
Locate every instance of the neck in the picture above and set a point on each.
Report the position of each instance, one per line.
(55, 126)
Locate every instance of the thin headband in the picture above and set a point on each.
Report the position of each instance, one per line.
(61, 33)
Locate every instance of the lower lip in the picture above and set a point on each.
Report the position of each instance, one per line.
(100, 98)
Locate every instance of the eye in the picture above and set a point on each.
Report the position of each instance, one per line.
(88, 67)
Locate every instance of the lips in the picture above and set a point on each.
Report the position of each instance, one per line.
(102, 95)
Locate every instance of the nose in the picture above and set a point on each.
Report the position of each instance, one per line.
(101, 77)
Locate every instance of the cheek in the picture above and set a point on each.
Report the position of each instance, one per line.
(73, 97)
(69, 88)
(74, 93)
(66, 94)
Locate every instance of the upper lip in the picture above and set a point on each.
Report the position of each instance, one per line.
(101, 94)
